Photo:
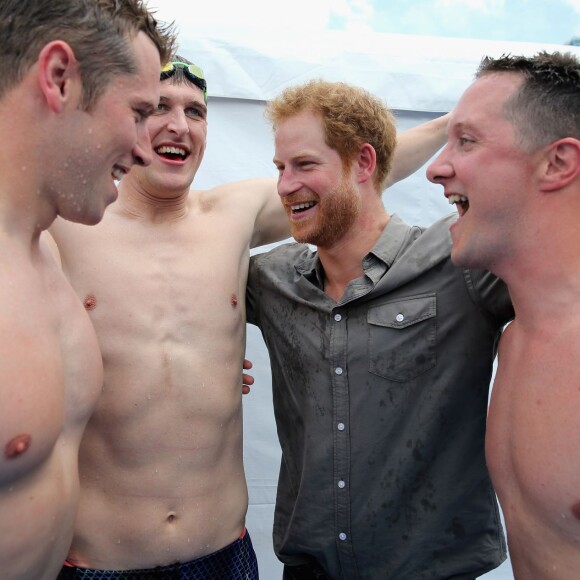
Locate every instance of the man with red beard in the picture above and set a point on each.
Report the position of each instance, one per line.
(163, 278)
(381, 353)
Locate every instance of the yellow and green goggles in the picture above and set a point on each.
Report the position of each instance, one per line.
(191, 71)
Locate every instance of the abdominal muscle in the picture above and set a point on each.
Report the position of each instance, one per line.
(161, 466)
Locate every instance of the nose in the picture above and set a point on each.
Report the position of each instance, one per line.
(177, 122)
(441, 168)
(287, 182)
(142, 151)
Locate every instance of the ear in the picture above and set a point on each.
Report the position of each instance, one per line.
(57, 74)
(365, 162)
(563, 164)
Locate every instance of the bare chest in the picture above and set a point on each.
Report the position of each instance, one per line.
(533, 436)
(166, 286)
(56, 363)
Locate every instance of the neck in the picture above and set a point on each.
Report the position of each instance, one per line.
(542, 272)
(342, 262)
(136, 201)
(25, 209)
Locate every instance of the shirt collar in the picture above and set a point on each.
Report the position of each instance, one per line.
(388, 246)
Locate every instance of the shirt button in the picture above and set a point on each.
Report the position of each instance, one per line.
(337, 317)
(400, 318)
(342, 536)
(338, 371)
(340, 426)
(341, 484)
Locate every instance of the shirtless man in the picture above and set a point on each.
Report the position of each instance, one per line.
(163, 279)
(60, 129)
(512, 166)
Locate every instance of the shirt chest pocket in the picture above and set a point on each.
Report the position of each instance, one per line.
(403, 338)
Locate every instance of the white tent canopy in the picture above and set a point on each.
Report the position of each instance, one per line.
(419, 77)
(414, 73)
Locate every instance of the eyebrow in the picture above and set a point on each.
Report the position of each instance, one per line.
(300, 156)
(463, 126)
(190, 103)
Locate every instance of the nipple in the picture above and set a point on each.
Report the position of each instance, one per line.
(17, 446)
(90, 302)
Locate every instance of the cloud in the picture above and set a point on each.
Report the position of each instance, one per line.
(575, 6)
(353, 15)
(523, 20)
(485, 6)
(252, 14)
(352, 9)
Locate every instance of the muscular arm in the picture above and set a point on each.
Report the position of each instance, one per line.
(414, 148)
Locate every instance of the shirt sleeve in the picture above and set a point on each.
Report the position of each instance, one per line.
(251, 314)
(491, 295)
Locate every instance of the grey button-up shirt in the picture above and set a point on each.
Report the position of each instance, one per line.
(380, 403)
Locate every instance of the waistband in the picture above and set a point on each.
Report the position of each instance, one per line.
(237, 561)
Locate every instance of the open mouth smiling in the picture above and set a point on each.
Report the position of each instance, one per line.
(172, 152)
(461, 203)
(297, 208)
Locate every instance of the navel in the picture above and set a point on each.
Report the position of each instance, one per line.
(17, 446)
(90, 302)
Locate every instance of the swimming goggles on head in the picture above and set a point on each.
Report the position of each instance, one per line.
(191, 71)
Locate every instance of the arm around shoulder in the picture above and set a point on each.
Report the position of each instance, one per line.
(416, 146)
(271, 223)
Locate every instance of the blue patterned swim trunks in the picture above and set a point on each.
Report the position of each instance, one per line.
(234, 562)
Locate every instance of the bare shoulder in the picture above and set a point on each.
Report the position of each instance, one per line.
(248, 195)
(251, 204)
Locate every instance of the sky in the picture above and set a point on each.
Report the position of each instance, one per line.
(542, 21)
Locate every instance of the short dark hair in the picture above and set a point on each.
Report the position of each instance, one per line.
(98, 31)
(547, 105)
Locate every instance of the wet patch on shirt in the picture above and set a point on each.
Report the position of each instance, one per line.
(17, 446)
(90, 302)
(456, 529)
